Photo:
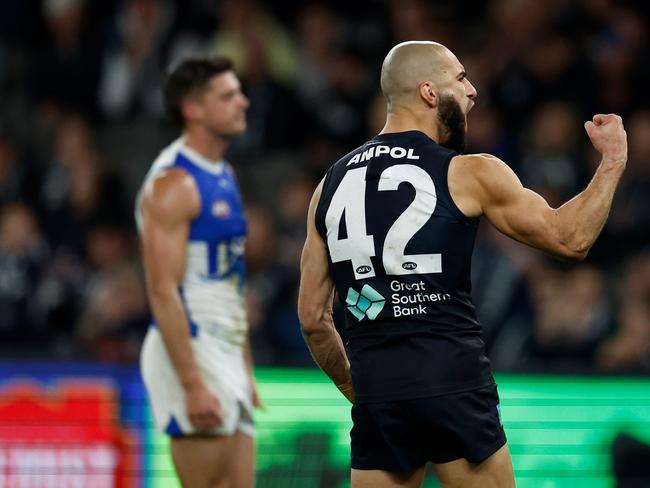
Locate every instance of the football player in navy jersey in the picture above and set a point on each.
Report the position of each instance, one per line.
(391, 230)
(195, 359)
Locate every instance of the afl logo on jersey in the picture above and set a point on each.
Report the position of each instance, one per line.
(409, 265)
(220, 209)
(364, 270)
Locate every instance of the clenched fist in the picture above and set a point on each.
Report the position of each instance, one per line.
(608, 137)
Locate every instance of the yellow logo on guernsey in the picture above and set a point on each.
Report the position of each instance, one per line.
(220, 209)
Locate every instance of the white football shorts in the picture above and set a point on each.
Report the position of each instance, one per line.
(224, 371)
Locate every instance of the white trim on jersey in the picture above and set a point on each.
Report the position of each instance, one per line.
(166, 158)
(214, 167)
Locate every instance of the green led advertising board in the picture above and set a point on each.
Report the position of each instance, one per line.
(559, 429)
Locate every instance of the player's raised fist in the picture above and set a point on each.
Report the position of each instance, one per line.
(608, 137)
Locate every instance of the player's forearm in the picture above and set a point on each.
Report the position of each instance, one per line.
(172, 322)
(327, 349)
(580, 220)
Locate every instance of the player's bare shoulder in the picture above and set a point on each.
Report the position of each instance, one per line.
(468, 176)
(170, 195)
(477, 165)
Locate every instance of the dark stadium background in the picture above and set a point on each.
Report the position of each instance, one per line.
(81, 120)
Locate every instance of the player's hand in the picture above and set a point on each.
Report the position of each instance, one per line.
(257, 401)
(255, 396)
(608, 137)
(203, 407)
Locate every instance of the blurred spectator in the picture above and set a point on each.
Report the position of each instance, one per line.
(519, 23)
(275, 119)
(628, 226)
(574, 315)
(61, 293)
(537, 59)
(23, 254)
(551, 163)
(318, 28)
(131, 79)
(107, 245)
(263, 276)
(295, 196)
(18, 178)
(620, 51)
(419, 20)
(339, 111)
(265, 59)
(629, 347)
(502, 296)
(487, 135)
(248, 33)
(75, 192)
(115, 316)
(66, 71)
(272, 288)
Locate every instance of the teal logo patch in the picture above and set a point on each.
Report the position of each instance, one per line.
(368, 303)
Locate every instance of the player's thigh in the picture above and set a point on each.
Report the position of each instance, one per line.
(375, 478)
(494, 472)
(203, 461)
(243, 461)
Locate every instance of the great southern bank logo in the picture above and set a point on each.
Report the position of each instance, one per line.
(368, 303)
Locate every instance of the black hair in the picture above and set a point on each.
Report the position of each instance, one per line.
(190, 77)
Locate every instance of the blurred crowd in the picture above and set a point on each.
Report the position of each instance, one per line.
(81, 120)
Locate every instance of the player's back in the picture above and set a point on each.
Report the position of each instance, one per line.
(212, 289)
(400, 256)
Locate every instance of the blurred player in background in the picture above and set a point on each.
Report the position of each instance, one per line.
(196, 360)
(391, 228)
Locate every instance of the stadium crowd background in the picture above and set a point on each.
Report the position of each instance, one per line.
(81, 120)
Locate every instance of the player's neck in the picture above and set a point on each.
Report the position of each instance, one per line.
(401, 121)
(207, 145)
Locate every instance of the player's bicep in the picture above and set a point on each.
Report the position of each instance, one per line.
(315, 295)
(163, 248)
(166, 207)
(514, 210)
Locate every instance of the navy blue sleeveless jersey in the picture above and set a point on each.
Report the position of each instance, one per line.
(400, 256)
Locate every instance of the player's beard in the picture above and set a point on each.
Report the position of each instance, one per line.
(451, 120)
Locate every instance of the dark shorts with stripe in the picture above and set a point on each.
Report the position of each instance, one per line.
(404, 435)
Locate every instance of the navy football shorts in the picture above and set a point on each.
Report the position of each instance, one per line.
(404, 435)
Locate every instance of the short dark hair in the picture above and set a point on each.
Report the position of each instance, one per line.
(189, 78)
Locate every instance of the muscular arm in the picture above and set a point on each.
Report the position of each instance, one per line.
(315, 308)
(568, 231)
(170, 201)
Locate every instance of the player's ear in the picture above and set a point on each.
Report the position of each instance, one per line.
(190, 109)
(428, 94)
